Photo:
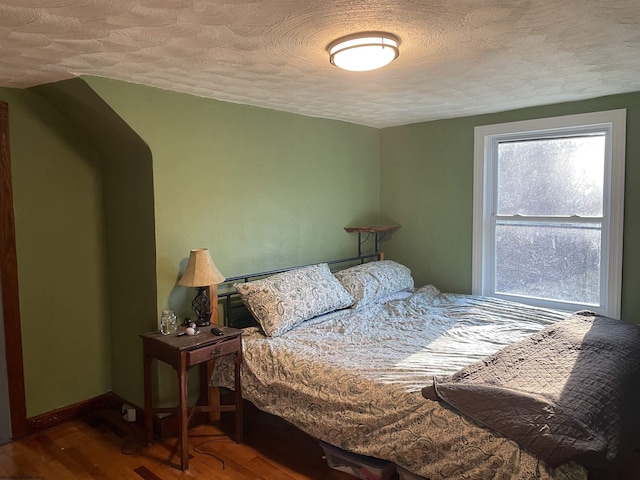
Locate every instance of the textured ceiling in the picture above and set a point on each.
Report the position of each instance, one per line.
(457, 57)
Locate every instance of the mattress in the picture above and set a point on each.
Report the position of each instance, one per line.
(353, 378)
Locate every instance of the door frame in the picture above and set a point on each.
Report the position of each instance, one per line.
(9, 279)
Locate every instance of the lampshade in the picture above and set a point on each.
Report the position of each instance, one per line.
(364, 51)
(200, 271)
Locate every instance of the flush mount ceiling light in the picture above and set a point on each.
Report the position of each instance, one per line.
(364, 51)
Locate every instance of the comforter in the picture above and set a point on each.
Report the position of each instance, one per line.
(569, 392)
(353, 379)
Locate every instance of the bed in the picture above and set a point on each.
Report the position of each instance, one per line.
(356, 359)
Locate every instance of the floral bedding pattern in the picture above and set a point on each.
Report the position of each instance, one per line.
(352, 378)
(282, 301)
(370, 282)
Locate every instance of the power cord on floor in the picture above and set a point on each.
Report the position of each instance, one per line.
(197, 449)
(134, 445)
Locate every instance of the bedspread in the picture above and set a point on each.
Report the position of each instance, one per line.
(353, 379)
(569, 392)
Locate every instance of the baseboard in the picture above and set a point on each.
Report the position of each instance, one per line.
(166, 426)
(72, 412)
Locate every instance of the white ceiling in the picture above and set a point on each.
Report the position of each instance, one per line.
(457, 57)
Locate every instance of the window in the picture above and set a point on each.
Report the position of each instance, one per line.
(548, 211)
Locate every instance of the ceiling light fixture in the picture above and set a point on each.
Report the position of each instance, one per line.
(361, 52)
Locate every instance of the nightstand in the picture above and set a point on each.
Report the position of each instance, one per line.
(182, 352)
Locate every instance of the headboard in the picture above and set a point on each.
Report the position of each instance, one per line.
(236, 315)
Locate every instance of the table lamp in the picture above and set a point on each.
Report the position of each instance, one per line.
(201, 273)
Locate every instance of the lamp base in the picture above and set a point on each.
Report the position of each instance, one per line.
(202, 307)
(202, 323)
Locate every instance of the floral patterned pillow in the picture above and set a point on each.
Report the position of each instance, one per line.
(374, 281)
(282, 301)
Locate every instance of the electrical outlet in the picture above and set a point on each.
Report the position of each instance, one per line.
(128, 413)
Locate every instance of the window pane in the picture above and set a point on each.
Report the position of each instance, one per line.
(548, 177)
(549, 261)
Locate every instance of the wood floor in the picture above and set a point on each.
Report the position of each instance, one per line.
(103, 446)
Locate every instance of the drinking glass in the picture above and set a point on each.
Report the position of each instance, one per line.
(168, 322)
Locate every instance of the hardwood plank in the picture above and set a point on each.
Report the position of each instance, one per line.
(147, 474)
(85, 463)
(14, 461)
(103, 446)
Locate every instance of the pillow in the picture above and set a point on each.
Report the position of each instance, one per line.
(373, 281)
(282, 301)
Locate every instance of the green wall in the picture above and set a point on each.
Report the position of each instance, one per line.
(260, 188)
(427, 187)
(127, 191)
(135, 178)
(61, 256)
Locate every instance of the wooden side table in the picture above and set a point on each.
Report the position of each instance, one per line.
(182, 352)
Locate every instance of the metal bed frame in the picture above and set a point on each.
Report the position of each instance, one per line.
(236, 314)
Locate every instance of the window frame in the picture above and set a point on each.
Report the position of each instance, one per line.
(486, 139)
